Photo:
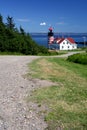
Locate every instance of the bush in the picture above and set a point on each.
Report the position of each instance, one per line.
(78, 58)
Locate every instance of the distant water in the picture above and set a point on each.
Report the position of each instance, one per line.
(41, 38)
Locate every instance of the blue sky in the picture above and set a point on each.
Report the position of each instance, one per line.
(39, 15)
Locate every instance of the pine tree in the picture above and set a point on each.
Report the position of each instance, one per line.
(22, 31)
(10, 23)
(1, 19)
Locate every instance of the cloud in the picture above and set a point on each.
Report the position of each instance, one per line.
(60, 23)
(43, 24)
(23, 20)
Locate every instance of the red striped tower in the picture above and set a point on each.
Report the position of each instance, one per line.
(50, 37)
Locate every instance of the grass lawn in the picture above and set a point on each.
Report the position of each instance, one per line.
(67, 101)
(10, 53)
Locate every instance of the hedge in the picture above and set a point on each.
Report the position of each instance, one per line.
(78, 58)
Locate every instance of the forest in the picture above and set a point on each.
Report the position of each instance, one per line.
(17, 40)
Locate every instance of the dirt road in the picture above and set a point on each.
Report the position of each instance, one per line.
(14, 112)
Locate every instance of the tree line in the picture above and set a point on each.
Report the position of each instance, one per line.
(13, 39)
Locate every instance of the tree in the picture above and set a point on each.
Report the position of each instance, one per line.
(22, 31)
(10, 23)
(1, 19)
(1, 22)
(14, 40)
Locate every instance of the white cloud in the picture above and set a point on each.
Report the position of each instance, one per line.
(60, 23)
(23, 20)
(43, 24)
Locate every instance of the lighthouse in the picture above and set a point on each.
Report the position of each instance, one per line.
(50, 37)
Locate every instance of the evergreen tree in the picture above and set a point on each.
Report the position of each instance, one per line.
(22, 31)
(1, 19)
(14, 40)
(10, 23)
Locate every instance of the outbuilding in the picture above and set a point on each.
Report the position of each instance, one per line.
(66, 43)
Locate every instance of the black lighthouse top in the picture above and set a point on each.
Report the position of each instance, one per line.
(50, 33)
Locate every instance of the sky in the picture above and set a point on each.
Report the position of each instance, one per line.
(39, 15)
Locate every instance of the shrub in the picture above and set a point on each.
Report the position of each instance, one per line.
(78, 58)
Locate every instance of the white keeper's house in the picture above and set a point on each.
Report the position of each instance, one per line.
(66, 43)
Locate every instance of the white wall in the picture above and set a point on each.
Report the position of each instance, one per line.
(65, 45)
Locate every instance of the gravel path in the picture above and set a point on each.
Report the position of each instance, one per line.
(14, 113)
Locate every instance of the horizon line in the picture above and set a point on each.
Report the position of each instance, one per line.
(63, 32)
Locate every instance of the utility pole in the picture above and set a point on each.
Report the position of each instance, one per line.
(84, 38)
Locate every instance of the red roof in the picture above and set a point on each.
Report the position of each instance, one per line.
(71, 40)
(60, 40)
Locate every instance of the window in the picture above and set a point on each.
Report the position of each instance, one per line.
(62, 46)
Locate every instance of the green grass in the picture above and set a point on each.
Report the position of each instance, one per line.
(67, 101)
(10, 53)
